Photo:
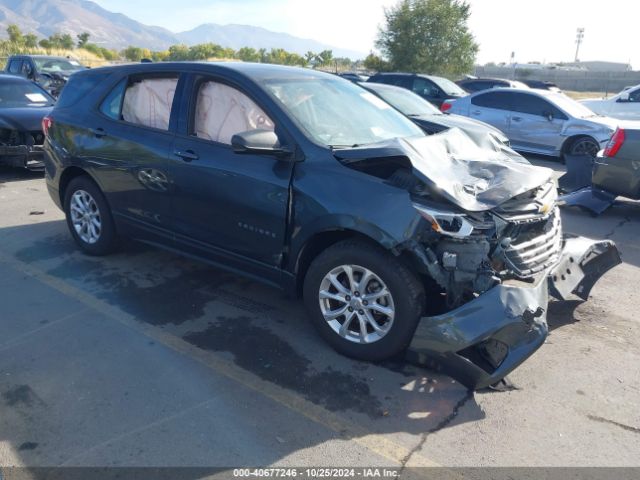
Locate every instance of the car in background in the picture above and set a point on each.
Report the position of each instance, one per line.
(51, 73)
(473, 85)
(353, 77)
(542, 85)
(351, 205)
(428, 117)
(616, 169)
(624, 106)
(23, 105)
(433, 89)
(538, 121)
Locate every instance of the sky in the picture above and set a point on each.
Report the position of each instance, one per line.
(536, 30)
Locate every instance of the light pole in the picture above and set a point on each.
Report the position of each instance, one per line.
(579, 39)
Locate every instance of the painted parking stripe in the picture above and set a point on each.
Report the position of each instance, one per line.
(374, 442)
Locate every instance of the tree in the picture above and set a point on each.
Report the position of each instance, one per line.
(66, 42)
(30, 40)
(83, 39)
(429, 36)
(134, 54)
(375, 63)
(325, 57)
(15, 34)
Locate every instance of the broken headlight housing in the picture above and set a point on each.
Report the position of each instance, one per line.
(455, 225)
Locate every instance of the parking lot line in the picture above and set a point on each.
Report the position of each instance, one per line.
(374, 442)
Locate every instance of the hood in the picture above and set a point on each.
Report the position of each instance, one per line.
(25, 119)
(474, 176)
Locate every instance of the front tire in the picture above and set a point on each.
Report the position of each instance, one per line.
(89, 217)
(363, 301)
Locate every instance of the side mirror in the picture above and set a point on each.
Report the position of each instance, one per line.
(624, 97)
(548, 115)
(259, 142)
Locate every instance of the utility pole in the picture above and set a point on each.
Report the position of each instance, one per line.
(579, 40)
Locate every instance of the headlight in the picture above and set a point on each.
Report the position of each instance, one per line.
(446, 223)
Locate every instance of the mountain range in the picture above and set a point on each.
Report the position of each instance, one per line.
(115, 30)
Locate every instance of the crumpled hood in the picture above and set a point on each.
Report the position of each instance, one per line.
(475, 177)
(26, 119)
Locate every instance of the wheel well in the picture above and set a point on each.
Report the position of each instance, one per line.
(68, 175)
(316, 245)
(570, 141)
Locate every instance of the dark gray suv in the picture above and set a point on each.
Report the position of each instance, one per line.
(311, 184)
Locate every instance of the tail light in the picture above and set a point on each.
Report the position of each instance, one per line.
(446, 106)
(47, 123)
(615, 144)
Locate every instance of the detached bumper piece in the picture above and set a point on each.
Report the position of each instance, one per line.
(592, 199)
(484, 340)
(24, 156)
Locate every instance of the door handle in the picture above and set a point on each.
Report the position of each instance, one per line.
(186, 155)
(516, 119)
(476, 112)
(98, 132)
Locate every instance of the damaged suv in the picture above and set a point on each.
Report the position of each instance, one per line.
(308, 182)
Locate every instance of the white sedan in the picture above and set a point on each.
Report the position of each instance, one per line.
(625, 105)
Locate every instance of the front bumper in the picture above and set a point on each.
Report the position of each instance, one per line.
(25, 156)
(484, 340)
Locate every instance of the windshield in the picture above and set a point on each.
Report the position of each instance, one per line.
(23, 94)
(337, 113)
(407, 102)
(570, 106)
(57, 65)
(449, 87)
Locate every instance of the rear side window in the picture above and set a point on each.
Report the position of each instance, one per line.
(77, 87)
(497, 100)
(15, 66)
(223, 111)
(148, 101)
(112, 105)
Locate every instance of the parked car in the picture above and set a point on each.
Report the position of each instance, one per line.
(51, 73)
(625, 105)
(473, 85)
(353, 77)
(433, 89)
(307, 182)
(614, 172)
(428, 117)
(23, 105)
(539, 121)
(541, 85)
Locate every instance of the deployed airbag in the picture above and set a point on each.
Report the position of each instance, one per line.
(223, 111)
(148, 102)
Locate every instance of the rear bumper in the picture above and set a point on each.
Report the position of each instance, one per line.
(31, 157)
(484, 340)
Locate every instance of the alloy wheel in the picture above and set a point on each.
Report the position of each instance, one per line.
(85, 217)
(356, 304)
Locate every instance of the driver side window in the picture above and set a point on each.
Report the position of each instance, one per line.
(635, 96)
(223, 111)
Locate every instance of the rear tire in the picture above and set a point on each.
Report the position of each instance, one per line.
(363, 301)
(89, 217)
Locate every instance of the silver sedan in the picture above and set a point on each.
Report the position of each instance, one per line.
(538, 121)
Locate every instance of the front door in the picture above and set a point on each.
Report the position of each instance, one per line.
(229, 205)
(536, 125)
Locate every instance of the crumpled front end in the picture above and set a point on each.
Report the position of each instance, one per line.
(482, 341)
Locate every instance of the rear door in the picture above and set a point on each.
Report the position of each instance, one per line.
(127, 145)
(494, 108)
(226, 205)
(536, 124)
